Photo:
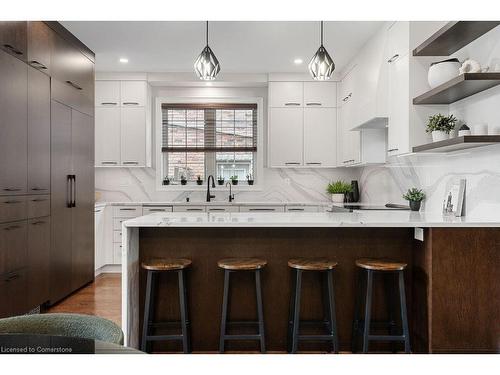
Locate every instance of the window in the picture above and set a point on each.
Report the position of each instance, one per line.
(218, 139)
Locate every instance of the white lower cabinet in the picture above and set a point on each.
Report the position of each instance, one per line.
(262, 209)
(300, 208)
(121, 214)
(189, 208)
(320, 133)
(216, 209)
(146, 210)
(285, 137)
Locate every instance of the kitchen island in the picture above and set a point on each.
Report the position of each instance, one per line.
(450, 273)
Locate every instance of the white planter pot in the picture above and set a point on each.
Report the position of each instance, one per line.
(338, 198)
(442, 71)
(439, 135)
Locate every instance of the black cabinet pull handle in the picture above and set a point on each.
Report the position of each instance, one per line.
(12, 227)
(127, 209)
(73, 204)
(68, 190)
(130, 103)
(292, 163)
(12, 202)
(109, 162)
(38, 222)
(261, 209)
(39, 200)
(393, 58)
(38, 189)
(12, 278)
(12, 189)
(314, 103)
(74, 85)
(392, 149)
(292, 103)
(194, 209)
(13, 49)
(130, 162)
(295, 209)
(37, 65)
(109, 103)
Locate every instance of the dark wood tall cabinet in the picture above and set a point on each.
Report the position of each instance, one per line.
(46, 168)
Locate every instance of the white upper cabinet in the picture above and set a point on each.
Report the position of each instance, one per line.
(133, 136)
(320, 94)
(286, 94)
(107, 136)
(320, 135)
(107, 93)
(285, 137)
(133, 93)
(398, 40)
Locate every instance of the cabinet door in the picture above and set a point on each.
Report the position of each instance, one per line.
(285, 137)
(82, 222)
(38, 272)
(16, 292)
(398, 40)
(13, 125)
(107, 136)
(60, 248)
(320, 94)
(349, 141)
(13, 38)
(133, 93)
(320, 137)
(38, 132)
(13, 246)
(133, 137)
(399, 121)
(107, 93)
(286, 94)
(39, 43)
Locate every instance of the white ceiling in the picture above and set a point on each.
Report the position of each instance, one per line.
(241, 47)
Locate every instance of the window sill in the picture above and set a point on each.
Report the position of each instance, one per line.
(203, 187)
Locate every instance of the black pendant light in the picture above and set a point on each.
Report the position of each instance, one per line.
(206, 65)
(321, 65)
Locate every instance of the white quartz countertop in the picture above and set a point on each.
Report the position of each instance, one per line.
(213, 203)
(315, 219)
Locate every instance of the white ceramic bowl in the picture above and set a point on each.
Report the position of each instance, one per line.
(442, 71)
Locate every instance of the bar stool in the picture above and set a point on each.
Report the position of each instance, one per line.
(154, 268)
(229, 266)
(329, 322)
(388, 269)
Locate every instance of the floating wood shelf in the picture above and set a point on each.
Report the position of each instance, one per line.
(453, 36)
(459, 143)
(460, 87)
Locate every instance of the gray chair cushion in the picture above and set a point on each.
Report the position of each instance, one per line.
(72, 325)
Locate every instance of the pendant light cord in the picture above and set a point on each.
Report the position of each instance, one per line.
(321, 32)
(207, 33)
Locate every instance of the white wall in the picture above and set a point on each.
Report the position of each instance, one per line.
(298, 185)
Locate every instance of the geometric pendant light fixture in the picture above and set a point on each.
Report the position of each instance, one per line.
(206, 65)
(321, 65)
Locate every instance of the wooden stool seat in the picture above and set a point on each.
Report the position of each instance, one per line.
(166, 264)
(380, 264)
(242, 264)
(312, 264)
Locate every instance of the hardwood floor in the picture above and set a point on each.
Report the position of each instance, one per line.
(101, 298)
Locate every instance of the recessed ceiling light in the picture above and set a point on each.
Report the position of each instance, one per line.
(123, 60)
(298, 61)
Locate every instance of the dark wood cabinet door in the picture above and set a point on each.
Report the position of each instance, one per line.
(38, 132)
(39, 43)
(13, 246)
(60, 247)
(17, 288)
(13, 38)
(83, 210)
(4, 307)
(13, 125)
(38, 261)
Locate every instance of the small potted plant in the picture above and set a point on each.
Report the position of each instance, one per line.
(415, 197)
(338, 190)
(234, 180)
(250, 179)
(183, 180)
(199, 181)
(220, 180)
(440, 126)
(166, 181)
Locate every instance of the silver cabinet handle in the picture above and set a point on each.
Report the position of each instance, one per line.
(295, 209)
(292, 163)
(37, 65)
(38, 189)
(130, 162)
(39, 200)
(217, 209)
(13, 49)
(74, 85)
(313, 163)
(392, 149)
(109, 162)
(194, 209)
(12, 189)
(127, 209)
(347, 97)
(109, 103)
(292, 104)
(314, 103)
(393, 58)
(348, 161)
(130, 103)
(12, 202)
(156, 209)
(261, 209)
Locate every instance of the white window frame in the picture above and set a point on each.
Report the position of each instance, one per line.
(259, 162)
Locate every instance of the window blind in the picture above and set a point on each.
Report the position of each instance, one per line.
(213, 127)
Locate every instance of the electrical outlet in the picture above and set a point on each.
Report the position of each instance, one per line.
(419, 234)
(287, 181)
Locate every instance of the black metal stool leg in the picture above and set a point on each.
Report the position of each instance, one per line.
(368, 307)
(391, 324)
(260, 312)
(404, 315)
(290, 311)
(357, 306)
(332, 314)
(147, 309)
(296, 311)
(183, 308)
(224, 311)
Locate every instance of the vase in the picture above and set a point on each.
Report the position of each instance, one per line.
(439, 135)
(442, 71)
(354, 191)
(338, 198)
(415, 205)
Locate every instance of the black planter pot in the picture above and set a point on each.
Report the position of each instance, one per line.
(199, 182)
(220, 182)
(166, 182)
(250, 182)
(183, 182)
(415, 205)
(234, 182)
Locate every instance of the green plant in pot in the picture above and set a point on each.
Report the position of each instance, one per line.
(183, 180)
(199, 181)
(440, 126)
(415, 197)
(249, 179)
(166, 181)
(234, 180)
(220, 180)
(338, 190)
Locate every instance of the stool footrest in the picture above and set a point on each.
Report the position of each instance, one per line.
(167, 324)
(386, 338)
(311, 322)
(316, 337)
(241, 337)
(164, 337)
(242, 323)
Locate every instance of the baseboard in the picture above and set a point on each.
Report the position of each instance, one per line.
(109, 268)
